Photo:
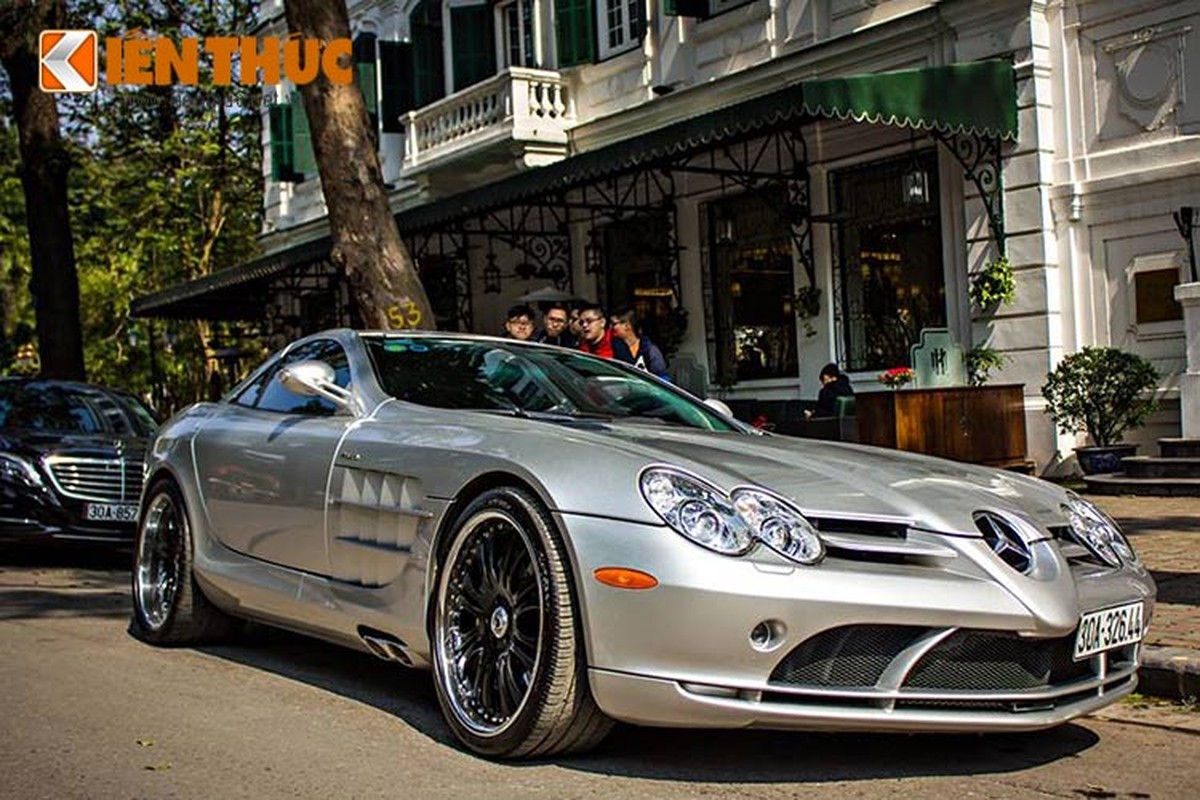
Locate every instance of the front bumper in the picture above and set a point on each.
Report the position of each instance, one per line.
(34, 518)
(727, 642)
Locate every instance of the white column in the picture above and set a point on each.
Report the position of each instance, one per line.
(1188, 294)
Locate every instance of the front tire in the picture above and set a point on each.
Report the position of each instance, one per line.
(508, 659)
(168, 606)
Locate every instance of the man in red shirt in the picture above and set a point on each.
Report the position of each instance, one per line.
(594, 335)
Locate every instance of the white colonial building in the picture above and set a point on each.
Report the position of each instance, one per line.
(775, 184)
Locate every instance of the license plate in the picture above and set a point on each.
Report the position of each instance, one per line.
(1109, 628)
(110, 512)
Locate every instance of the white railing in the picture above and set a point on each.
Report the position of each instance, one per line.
(522, 104)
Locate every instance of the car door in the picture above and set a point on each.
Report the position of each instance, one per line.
(263, 467)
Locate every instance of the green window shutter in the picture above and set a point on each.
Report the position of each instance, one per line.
(473, 45)
(575, 31)
(365, 74)
(396, 79)
(686, 8)
(429, 70)
(283, 148)
(304, 161)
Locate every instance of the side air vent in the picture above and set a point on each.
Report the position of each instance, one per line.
(1006, 540)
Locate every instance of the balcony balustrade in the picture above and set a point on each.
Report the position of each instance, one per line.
(528, 107)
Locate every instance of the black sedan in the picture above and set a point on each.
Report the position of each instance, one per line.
(71, 458)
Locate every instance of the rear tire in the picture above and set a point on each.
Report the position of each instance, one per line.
(508, 658)
(168, 606)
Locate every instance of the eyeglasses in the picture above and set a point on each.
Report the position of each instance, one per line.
(520, 323)
(589, 320)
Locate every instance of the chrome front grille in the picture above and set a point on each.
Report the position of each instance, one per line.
(109, 480)
(904, 666)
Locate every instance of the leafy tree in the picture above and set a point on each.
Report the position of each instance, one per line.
(366, 242)
(165, 187)
(44, 164)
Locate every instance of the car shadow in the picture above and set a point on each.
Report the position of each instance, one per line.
(679, 755)
(1179, 588)
(1142, 525)
(61, 582)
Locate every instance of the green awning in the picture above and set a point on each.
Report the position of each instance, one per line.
(977, 97)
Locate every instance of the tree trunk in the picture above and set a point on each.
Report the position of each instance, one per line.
(367, 247)
(44, 163)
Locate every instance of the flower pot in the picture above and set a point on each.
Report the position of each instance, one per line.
(1093, 460)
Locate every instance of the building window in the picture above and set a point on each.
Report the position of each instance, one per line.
(622, 23)
(291, 142)
(752, 284)
(516, 27)
(889, 261)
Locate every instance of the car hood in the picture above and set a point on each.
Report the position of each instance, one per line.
(848, 480)
(34, 444)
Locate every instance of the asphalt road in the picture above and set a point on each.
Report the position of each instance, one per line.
(88, 711)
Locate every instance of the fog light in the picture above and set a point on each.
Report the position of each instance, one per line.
(767, 635)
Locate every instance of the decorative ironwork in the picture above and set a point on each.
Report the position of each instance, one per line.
(981, 160)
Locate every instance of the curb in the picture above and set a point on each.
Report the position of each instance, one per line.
(1170, 672)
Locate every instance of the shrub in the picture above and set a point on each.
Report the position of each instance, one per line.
(994, 285)
(1101, 390)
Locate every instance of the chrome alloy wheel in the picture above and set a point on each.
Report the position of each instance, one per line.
(159, 560)
(489, 622)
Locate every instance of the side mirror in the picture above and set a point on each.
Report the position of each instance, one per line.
(315, 378)
(718, 405)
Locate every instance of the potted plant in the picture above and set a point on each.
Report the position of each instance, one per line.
(1102, 391)
(896, 377)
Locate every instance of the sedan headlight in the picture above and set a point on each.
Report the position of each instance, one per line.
(15, 469)
(729, 524)
(1096, 531)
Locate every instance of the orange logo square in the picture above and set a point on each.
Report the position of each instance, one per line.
(69, 61)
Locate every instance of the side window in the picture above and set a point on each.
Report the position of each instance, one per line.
(274, 397)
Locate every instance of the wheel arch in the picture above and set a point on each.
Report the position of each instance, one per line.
(442, 539)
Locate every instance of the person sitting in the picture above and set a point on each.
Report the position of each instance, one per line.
(633, 348)
(594, 336)
(554, 329)
(834, 384)
(519, 323)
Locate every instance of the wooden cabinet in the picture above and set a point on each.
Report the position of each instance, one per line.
(977, 424)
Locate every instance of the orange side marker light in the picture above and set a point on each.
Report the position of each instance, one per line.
(625, 578)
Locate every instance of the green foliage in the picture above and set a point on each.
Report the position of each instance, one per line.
(165, 186)
(806, 302)
(980, 361)
(994, 285)
(1101, 390)
(16, 306)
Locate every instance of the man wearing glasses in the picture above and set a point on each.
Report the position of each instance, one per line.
(555, 330)
(594, 335)
(519, 323)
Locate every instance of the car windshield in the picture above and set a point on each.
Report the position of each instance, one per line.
(71, 408)
(529, 380)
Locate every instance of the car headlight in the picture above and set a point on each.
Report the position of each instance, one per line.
(1098, 533)
(15, 469)
(729, 524)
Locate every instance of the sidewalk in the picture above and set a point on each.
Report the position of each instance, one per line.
(1165, 532)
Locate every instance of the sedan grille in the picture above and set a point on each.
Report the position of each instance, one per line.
(110, 480)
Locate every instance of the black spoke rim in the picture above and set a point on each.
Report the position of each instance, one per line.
(491, 623)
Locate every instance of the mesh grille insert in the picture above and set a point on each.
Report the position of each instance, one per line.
(997, 662)
(852, 655)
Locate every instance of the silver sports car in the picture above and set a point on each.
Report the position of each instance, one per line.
(568, 541)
